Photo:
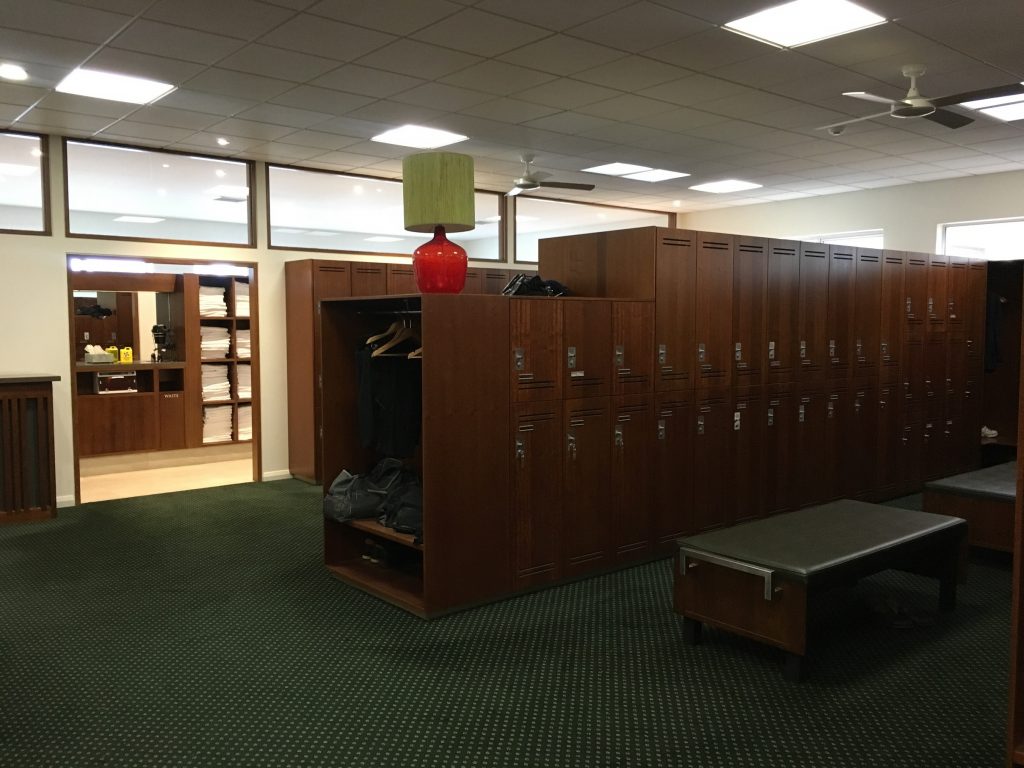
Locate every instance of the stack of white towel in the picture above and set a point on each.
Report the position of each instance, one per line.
(245, 422)
(214, 341)
(217, 423)
(241, 299)
(243, 344)
(211, 301)
(216, 385)
(244, 381)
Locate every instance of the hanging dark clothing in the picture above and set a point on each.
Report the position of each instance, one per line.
(389, 403)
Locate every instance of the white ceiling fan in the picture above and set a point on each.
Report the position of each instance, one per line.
(915, 105)
(532, 180)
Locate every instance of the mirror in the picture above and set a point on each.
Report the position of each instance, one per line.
(141, 320)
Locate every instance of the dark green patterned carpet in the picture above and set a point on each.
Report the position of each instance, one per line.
(201, 629)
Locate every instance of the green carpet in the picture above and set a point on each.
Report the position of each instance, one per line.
(200, 629)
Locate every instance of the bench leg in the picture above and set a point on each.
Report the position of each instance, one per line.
(691, 631)
(794, 668)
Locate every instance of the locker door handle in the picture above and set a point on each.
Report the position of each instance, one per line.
(700, 425)
(952, 307)
(771, 417)
(831, 347)
(831, 410)
(520, 450)
(619, 437)
(571, 446)
(662, 354)
(519, 358)
(771, 350)
(931, 306)
(910, 305)
(803, 350)
(701, 353)
(802, 413)
(620, 355)
(662, 429)
(739, 352)
(570, 354)
(860, 348)
(736, 417)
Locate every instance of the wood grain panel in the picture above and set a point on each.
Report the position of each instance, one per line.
(782, 316)
(813, 333)
(586, 510)
(893, 310)
(713, 303)
(674, 309)
(672, 469)
(587, 347)
(867, 313)
(537, 492)
(535, 362)
(750, 293)
(841, 297)
(632, 443)
(632, 347)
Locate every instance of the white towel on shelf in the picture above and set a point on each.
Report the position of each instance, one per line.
(241, 299)
(216, 384)
(211, 301)
(214, 341)
(244, 374)
(217, 423)
(243, 344)
(245, 422)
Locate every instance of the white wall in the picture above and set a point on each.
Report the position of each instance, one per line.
(909, 214)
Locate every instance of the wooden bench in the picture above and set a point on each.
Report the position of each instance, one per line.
(984, 498)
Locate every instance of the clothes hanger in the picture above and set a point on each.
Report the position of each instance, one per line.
(404, 333)
(416, 354)
(395, 327)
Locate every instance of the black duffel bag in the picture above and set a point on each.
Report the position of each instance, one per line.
(354, 497)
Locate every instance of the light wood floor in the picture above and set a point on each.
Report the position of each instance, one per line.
(141, 474)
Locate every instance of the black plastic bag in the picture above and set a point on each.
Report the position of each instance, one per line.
(355, 497)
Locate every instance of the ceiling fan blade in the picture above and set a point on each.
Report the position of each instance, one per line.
(854, 120)
(995, 92)
(949, 119)
(567, 185)
(864, 96)
(513, 192)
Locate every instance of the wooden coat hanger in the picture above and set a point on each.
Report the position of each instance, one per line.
(403, 334)
(395, 327)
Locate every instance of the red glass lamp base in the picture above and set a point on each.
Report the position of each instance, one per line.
(440, 265)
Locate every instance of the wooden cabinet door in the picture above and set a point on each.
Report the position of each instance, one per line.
(862, 446)
(812, 472)
(749, 290)
(957, 374)
(672, 470)
(915, 391)
(586, 520)
(587, 345)
(536, 354)
(936, 382)
(747, 457)
(938, 288)
(893, 303)
(632, 347)
(494, 280)
(632, 440)
(674, 318)
(332, 280)
(712, 460)
(867, 312)
(369, 279)
(171, 416)
(958, 291)
(782, 316)
(714, 309)
(974, 325)
(474, 281)
(537, 433)
(780, 451)
(915, 288)
(839, 450)
(839, 318)
(813, 311)
(911, 460)
(935, 448)
(889, 442)
(401, 279)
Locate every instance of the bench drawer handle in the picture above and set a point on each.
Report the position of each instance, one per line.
(768, 574)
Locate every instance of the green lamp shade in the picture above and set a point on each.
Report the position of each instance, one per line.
(437, 190)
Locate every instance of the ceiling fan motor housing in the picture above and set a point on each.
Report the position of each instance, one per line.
(912, 108)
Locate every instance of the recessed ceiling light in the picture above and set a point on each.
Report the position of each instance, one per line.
(13, 72)
(222, 141)
(220, 173)
(36, 152)
(617, 169)
(383, 239)
(983, 103)
(139, 219)
(16, 169)
(114, 87)
(1007, 112)
(418, 137)
(805, 21)
(725, 186)
(677, 203)
(165, 165)
(656, 175)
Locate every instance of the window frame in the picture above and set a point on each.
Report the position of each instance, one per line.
(45, 144)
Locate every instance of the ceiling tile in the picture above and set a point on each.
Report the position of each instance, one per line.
(197, 101)
(510, 110)
(159, 68)
(55, 121)
(632, 73)
(352, 127)
(566, 94)
(274, 62)
(238, 84)
(206, 143)
(497, 77)
(393, 113)
(377, 83)
(325, 37)
(640, 27)
(562, 55)
(679, 119)
(569, 122)
(484, 34)
(693, 90)
(28, 47)
(748, 104)
(627, 105)
(66, 102)
(175, 118)
(12, 93)
(160, 39)
(440, 96)
(281, 153)
(129, 7)
(8, 112)
(72, 22)
(249, 129)
(282, 115)
(126, 129)
(318, 140)
(398, 17)
(708, 50)
(417, 59)
(245, 19)
(325, 100)
(553, 15)
(346, 159)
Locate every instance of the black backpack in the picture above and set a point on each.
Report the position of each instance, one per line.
(354, 497)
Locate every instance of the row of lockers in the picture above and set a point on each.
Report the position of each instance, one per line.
(732, 309)
(601, 481)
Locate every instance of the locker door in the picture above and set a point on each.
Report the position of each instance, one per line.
(748, 457)
(975, 311)
(782, 319)
(893, 311)
(938, 278)
(812, 474)
(369, 279)
(839, 449)
(632, 347)
(915, 288)
(712, 449)
(674, 309)
(813, 311)
(750, 285)
(494, 280)
(863, 441)
(958, 290)
(537, 492)
(672, 470)
(867, 313)
(632, 441)
(935, 377)
(780, 451)
(474, 281)
(714, 309)
(956, 373)
(889, 442)
(842, 288)
(587, 344)
(911, 456)
(401, 279)
(934, 437)
(536, 359)
(915, 391)
(332, 280)
(586, 515)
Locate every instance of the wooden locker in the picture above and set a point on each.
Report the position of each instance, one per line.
(750, 290)
(494, 280)
(632, 347)
(862, 448)
(915, 289)
(674, 314)
(892, 318)
(537, 433)
(632, 439)
(672, 469)
(617, 264)
(958, 291)
(839, 317)
(938, 287)
(369, 279)
(586, 519)
(813, 311)
(714, 309)
(889, 451)
(474, 281)
(839, 448)
(535, 362)
(782, 312)
(587, 347)
(748, 454)
(712, 460)
(914, 380)
(811, 469)
(957, 373)
(936, 447)
(911, 459)
(935, 375)
(401, 279)
(974, 325)
(867, 313)
(781, 455)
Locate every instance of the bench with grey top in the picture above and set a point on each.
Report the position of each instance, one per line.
(754, 579)
(985, 498)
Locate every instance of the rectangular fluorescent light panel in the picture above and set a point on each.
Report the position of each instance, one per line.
(805, 21)
(998, 101)
(130, 266)
(617, 169)
(656, 175)
(139, 219)
(114, 87)
(1007, 112)
(418, 137)
(725, 186)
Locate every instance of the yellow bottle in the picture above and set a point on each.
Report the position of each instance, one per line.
(126, 354)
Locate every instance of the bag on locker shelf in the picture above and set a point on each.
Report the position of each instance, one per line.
(354, 497)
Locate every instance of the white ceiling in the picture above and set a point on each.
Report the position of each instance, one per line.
(657, 83)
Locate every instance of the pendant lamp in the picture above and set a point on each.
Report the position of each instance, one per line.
(437, 192)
